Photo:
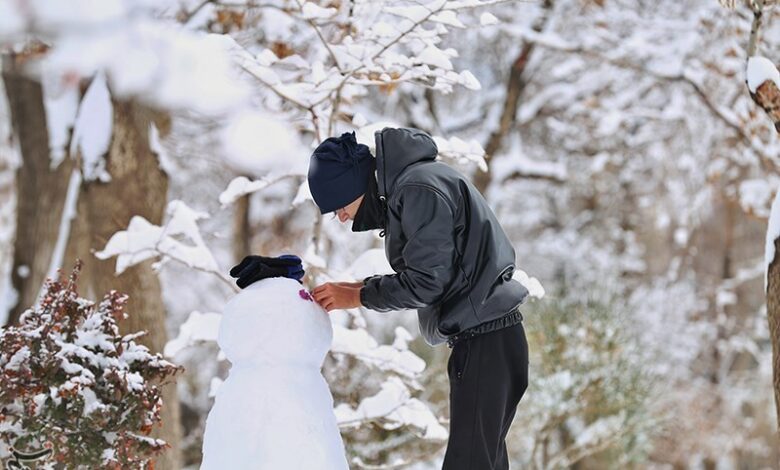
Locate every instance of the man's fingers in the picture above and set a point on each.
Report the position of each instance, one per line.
(321, 297)
(321, 288)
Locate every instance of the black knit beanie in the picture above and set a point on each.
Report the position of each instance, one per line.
(338, 172)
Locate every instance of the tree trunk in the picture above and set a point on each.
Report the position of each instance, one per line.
(40, 190)
(514, 89)
(773, 314)
(241, 235)
(138, 186)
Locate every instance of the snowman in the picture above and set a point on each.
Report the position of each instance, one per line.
(275, 410)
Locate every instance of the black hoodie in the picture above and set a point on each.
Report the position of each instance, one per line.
(453, 262)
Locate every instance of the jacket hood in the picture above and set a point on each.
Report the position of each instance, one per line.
(396, 149)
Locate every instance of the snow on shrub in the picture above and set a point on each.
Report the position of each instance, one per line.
(70, 381)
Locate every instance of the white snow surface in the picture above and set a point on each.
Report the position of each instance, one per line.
(198, 327)
(275, 409)
(143, 240)
(759, 70)
(533, 285)
(255, 142)
(93, 128)
(772, 232)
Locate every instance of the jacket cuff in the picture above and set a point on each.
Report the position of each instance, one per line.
(367, 294)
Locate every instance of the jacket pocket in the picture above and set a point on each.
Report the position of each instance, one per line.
(508, 270)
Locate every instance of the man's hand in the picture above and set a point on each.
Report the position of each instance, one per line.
(338, 295)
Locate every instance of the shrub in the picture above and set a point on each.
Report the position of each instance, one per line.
(71, 382)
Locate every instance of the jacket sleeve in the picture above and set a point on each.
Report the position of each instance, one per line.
(429, 255)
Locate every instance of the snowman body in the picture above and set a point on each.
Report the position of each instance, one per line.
(274, 411)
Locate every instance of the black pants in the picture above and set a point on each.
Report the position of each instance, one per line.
(488, 375)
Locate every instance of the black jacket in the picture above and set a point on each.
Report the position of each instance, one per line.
(452, 260)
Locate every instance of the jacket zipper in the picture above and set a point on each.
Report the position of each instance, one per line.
(382, 196)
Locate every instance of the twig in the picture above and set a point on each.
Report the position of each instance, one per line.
(758, 12)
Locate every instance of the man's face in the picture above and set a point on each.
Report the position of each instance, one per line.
(348, 212)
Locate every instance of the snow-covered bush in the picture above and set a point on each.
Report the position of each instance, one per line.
(590, 389)
(69, 380)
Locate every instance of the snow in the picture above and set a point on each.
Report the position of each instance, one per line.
(368, 263)
(760, 70)
(17, 359)
(312, 11)
(275, 400)
(92, 130)
(155, 145)
(600, 429)
(61, 100)
(91, 402)
(67, 216)
(311, 258)
(448, 17)
(160, 62)
(143, 240)
(214, 385)
(397, 358)
(256, 143)
(468, 80)
(134, 381)
(504, 166)
(772, 233)
(394, 404)
(240, 186)
(381, 29)
(303, 194)
(197, 327)
(23, 270)
(533, 285)
(11, 22)
(462, 151)
(755, 196)
(414, 13)
(660, 149)
(487, 19)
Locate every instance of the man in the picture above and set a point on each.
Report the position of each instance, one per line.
(452, 262)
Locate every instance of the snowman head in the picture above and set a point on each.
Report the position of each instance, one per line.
(274, 321)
